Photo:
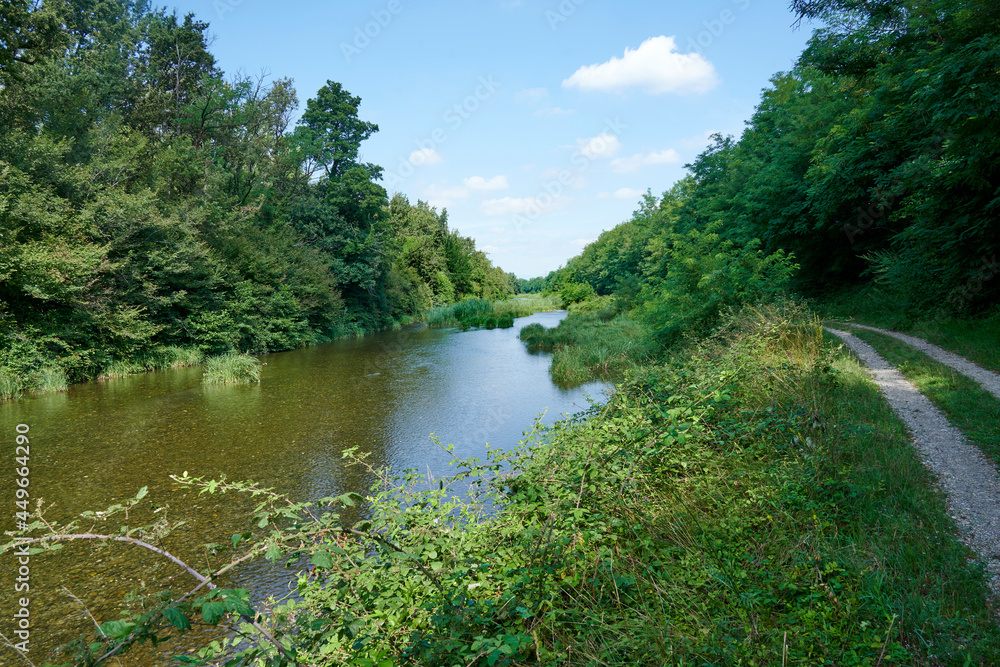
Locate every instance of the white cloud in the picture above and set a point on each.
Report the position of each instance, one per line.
(521, 205)
(627, 193)
(553, 111)
(603, 145)
(656, 67)
(480, 183)
(630, 165)
(580, 243)
(424, 157)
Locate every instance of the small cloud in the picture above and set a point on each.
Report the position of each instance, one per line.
(629, 165)
(656, 67)
(425, 157)
(627, 193)
(480, 183)
(579, 243)
(604, 195)
(521, 205)
(531, 95)
(603, 145)
(553, 111)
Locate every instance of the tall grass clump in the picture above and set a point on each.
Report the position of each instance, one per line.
(48, 379)
(599, 344)
(179, 357)
(11, 385)
(232, 368)
(121, 368)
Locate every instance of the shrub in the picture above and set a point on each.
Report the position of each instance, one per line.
(704, 275)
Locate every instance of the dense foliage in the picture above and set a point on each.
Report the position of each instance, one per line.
(148, 202)
(871, 162)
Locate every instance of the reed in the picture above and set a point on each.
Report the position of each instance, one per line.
(232, 368)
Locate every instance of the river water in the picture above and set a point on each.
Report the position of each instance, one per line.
(386, 394)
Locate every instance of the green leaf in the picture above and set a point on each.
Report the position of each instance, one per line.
(117, 629)
(176, 618)
(322, 559)
(213, 611)
(238, 606)
(142, 493)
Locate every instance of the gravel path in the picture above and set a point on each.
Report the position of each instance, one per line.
(968, 478)
(988, 380)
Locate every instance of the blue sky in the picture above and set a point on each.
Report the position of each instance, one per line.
(536, 123)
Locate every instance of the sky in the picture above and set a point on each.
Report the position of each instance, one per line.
(537, 124)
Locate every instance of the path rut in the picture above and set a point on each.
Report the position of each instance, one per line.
(988, 380)
(968, 478)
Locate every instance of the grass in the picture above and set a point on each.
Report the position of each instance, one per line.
(178, 357)
(972, 337)
(157, 359)
(591, 345)
(11, 386)
(119, 369)
(967, 406)
(798, 524)
(49, 379)
(472, 313)
(232, 368)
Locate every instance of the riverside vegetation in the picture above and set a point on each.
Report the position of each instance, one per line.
(154, 210)
(749, 500)
(745, 496)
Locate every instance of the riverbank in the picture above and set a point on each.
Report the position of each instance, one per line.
(42, 377)
(751, 500)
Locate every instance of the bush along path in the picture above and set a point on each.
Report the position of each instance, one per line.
(967, 477)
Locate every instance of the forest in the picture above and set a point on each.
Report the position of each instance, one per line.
(867, 173)
(154, 209)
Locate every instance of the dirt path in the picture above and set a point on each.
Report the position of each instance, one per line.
(968, 478)
(988, 380)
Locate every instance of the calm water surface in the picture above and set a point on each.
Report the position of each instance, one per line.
(386, 394)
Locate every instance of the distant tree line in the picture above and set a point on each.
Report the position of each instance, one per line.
(149, 201)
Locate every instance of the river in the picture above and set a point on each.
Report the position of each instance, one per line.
(386, 394)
